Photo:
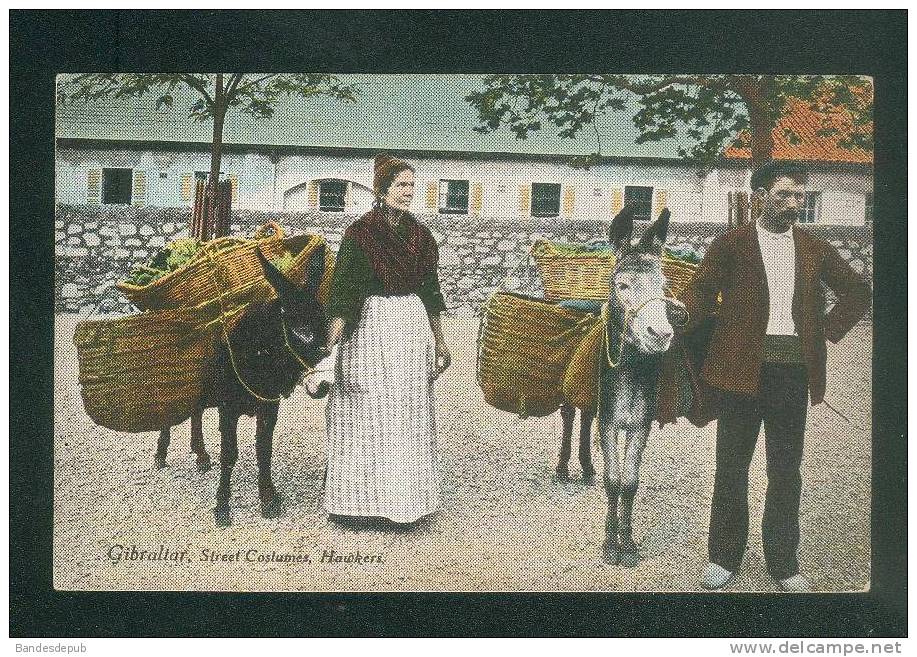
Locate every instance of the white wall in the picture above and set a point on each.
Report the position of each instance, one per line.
(264, 183)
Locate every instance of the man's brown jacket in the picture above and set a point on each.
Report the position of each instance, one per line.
(734, 268)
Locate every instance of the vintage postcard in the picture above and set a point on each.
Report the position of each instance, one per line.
(416, 332)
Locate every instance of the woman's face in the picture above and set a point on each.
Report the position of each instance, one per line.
(401, 192)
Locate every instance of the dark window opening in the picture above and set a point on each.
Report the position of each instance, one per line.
(116, 186)
(545, 199)
(332, 195)
(810, 213)
(642, 199)
(453, 196)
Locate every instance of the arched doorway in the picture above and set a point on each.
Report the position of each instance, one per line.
(329, 195)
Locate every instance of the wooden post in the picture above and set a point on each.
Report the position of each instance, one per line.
(197, 212)
(742, 207)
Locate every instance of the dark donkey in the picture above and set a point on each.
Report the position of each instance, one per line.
(639, 331)
(260, 362)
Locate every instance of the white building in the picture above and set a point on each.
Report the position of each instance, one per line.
(317, 155)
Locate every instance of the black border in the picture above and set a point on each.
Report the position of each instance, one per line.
(43, 43)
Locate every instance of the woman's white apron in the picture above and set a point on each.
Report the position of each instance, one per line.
(381, 424)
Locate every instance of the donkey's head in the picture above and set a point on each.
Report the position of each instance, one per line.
(637, 301)
(302, 315)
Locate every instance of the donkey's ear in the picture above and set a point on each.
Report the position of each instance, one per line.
(622, 228)
(654, 237)
(315, 270)
(281, 284)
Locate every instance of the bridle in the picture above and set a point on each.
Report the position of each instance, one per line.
(630, 313)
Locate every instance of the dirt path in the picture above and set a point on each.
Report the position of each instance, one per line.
(506, 524)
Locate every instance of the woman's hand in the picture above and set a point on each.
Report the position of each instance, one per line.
(443, 357)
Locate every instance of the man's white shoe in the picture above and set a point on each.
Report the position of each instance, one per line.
(716, 577)
(795, 584)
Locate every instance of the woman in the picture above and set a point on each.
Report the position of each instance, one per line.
(384, 307)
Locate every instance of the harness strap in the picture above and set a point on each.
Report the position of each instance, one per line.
(232, 359)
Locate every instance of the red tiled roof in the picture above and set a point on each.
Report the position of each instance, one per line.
(806, 124)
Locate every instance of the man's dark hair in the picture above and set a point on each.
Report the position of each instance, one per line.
(765, 175)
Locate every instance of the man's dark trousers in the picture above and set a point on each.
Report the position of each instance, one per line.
(781, 403)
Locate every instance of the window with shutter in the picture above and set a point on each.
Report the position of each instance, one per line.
(545, 199)
(94, 186)
(662, 201)
(234, 182)
(332, 195)
(810, 213)
(187, 187)
(139, 194)
(569, 200)
(312, 199)
(524, 199)
(432, 195)
(642, 199)
(117, 186)
(477, 198)
(617, 200)
(453, 197)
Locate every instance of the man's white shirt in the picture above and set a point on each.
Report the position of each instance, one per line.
(778, 250)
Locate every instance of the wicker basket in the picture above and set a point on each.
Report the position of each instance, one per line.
(228, 264)
(303, 246)
(524, 348)
(146, 371)
(586, 276)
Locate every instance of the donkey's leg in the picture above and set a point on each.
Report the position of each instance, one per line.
(271, 502)
(197, 441)
(608, 439)
(585, 446)
(630, 480)
(229, 454)
(567, 413)
(162, 448)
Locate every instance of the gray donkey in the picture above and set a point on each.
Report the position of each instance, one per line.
(639, 331)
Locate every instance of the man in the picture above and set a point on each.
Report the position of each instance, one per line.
(765, 359)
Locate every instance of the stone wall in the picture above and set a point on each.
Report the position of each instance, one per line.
(97, 246)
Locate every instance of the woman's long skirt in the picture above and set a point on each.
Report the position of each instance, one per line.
(380, 419)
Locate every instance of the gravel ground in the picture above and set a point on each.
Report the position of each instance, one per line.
(506, 523)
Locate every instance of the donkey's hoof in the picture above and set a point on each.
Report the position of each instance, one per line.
(159, 462)
(589, 477)
(273, 507)
(563, 473)
(610, 552)
(203, 463)
(629, 557)
(222, 516)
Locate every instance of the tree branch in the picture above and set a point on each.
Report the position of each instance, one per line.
(645, 88)
(249, 85)
(194, 83)
(234, 81)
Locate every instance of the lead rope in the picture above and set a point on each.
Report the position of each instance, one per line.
(232, 359)
(629, 314)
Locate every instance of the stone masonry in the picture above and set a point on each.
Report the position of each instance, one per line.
(96, 246)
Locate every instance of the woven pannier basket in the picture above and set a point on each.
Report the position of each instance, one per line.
(227, 264)
(586, 276)
(302, 247)
(146, 371)
(524, 348)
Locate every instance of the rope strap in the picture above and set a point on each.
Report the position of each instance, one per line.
(232, 358)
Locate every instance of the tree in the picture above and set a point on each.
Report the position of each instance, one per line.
(250, 93)
(712, 111)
